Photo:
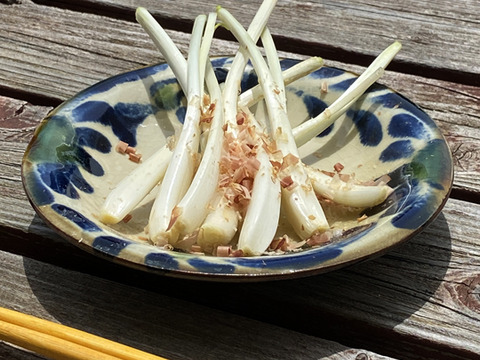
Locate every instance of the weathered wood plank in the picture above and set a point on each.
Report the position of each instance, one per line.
(91, 48)
(59, 53)
(455, 108)
(172, 328)
(7, 351)
(425, 283)
(19, 119)
(426, 288)
(347, 30)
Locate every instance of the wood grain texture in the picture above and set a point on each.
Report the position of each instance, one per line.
(426, 282)
(346, 30)
(10, 352)
(151, 321)
(60, 53)
(427, 287)
(418, 301)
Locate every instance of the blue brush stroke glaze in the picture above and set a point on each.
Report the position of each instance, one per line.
(287, 63)
(221, 74)
(342, 85)
(208, 267)
(73, 154)
(249, 80)
(219, 63)
(109, 245)
(436, 185)
(326, 72)
(315, 107)
(132, 76)
(401, 149)
(59, 152)
(405, 125)
(40, 194)
(88, 162)
(75, 217)
(413, 214)
(58, 178)
(166, 94)
(394, 100)
(180, 113)
(345, 84)
(162, 261)
(124, 118)
(390, 100)
(93, 139)
(368, 126)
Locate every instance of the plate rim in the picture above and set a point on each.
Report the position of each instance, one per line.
(210, 276)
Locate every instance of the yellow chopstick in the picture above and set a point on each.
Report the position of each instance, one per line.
(60, 342)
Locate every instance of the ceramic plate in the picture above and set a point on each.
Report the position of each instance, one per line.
(71, 165)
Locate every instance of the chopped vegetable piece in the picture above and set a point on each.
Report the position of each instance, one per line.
(224, 251)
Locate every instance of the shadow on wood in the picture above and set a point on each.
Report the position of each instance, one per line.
(335, 306)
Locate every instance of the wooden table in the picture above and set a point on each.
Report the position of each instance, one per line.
(419, 301)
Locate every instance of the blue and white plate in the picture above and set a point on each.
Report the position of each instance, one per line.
(71, 165)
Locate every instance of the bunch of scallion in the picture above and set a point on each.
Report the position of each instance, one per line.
(222, 191)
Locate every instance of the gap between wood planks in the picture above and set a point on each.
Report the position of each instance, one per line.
(465, 195)
(121, 12)
(283, 43)
(34, 99)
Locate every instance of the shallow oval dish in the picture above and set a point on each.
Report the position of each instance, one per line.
(71, 165)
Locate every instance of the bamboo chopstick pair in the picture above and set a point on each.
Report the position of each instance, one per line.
(59, 342)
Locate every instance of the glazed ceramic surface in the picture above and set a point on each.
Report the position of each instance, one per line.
(71, 165)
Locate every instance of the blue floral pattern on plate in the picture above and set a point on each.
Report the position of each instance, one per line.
(71, 165)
